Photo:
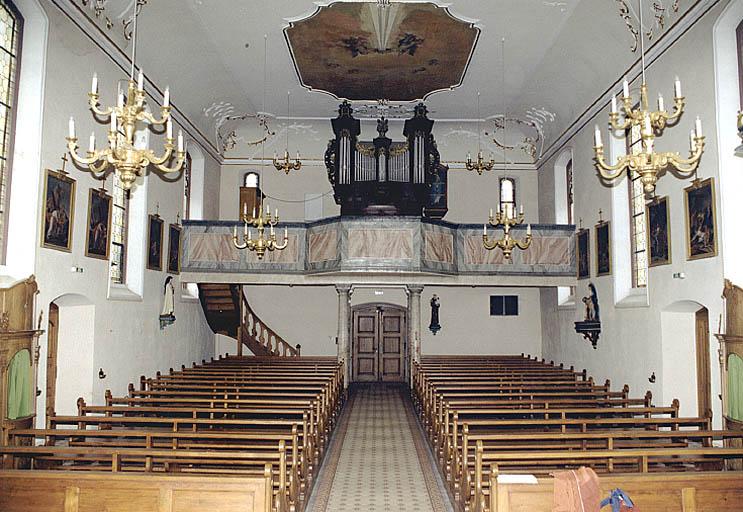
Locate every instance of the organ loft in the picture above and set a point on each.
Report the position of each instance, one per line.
(375, 255)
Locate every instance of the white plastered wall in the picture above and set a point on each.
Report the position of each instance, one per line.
(633, 342)
(124, 338)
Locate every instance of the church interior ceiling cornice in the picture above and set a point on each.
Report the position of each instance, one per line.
(560, 56)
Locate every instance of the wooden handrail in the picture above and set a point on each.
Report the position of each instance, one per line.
(254, 331)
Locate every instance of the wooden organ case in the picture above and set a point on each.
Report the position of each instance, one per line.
(386, 177)
(19, 357)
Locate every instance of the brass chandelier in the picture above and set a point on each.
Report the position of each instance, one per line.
(507, 243)
(285, 164)
(128, 161)
(648, 164)
(261, 243)
(480, 165)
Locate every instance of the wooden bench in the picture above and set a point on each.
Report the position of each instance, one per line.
(122, 460)
(680, 492)
(59, 491)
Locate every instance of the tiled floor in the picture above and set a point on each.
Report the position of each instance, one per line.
(378, 467)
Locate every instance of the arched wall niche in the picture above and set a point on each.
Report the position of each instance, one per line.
(197, 181)
(74, 352)
(684, 366)
(728, 102)
(25, 192)
(564, 297)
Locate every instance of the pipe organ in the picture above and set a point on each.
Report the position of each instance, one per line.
(386, 177)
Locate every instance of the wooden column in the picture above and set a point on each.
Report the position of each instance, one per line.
(414, 326)
(344, 329)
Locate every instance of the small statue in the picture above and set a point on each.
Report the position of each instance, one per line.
(435, 327)
(382, 126)
(167, 316)
(589, 309)
(591, 303)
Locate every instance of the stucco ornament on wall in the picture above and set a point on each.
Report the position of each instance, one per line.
(660, 13)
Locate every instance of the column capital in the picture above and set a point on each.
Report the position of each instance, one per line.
(414, 289)
(343, 289)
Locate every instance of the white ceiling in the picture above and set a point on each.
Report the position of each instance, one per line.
(559, 56)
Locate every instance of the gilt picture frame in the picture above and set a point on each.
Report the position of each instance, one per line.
(174, 249)
(658, 215)
(603, 248)
(98, 228)
(58, 215)
(583, 253)
(155, 242)
(701, 219)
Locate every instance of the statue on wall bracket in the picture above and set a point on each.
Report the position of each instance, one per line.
(435, 327)
(590, 327)
(167, 315)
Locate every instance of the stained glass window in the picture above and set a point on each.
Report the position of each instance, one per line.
(119, 223)
(637, 215)
(569, 180)
(187, 188)
(11, 24)
(508, 196)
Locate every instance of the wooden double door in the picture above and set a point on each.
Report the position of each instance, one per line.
(379, 343)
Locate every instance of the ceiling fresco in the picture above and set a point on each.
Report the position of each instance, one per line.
(372, 51)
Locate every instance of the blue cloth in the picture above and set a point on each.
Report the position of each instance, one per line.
(615, 499)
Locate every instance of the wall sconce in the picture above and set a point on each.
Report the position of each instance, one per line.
(101, 374)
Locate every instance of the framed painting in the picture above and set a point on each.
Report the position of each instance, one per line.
(174, 249)
(603, 249)
(701, 223)
(99, 224)
(658, 232)
(155, 243)
(583, 253)
(59, 211)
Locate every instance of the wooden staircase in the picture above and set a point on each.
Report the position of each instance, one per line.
(228, 312)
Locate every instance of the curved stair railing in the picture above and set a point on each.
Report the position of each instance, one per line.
(259, 337)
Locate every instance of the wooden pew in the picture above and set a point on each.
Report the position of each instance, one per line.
(680, 492)
(59, 491)
(122, 460)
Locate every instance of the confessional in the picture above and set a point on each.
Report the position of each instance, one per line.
(19, 357)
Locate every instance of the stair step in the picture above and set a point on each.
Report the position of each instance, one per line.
(219, 300)
(220, 308)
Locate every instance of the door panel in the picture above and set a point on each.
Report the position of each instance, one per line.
(393, 340)
(379, 341)
(365, 368)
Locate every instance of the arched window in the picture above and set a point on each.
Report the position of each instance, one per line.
(187, 183)
(637, 215)
(251, 180)
(11, 26)
(250, 192)
(508, 196)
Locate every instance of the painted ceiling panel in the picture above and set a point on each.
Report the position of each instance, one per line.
(366, 51)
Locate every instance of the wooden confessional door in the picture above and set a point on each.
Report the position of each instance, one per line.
(379, 343)
(704, 384)
(51, 359)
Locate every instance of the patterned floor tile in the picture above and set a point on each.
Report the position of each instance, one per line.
(378, 466)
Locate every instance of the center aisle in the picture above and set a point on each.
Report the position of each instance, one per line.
(379, 460)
